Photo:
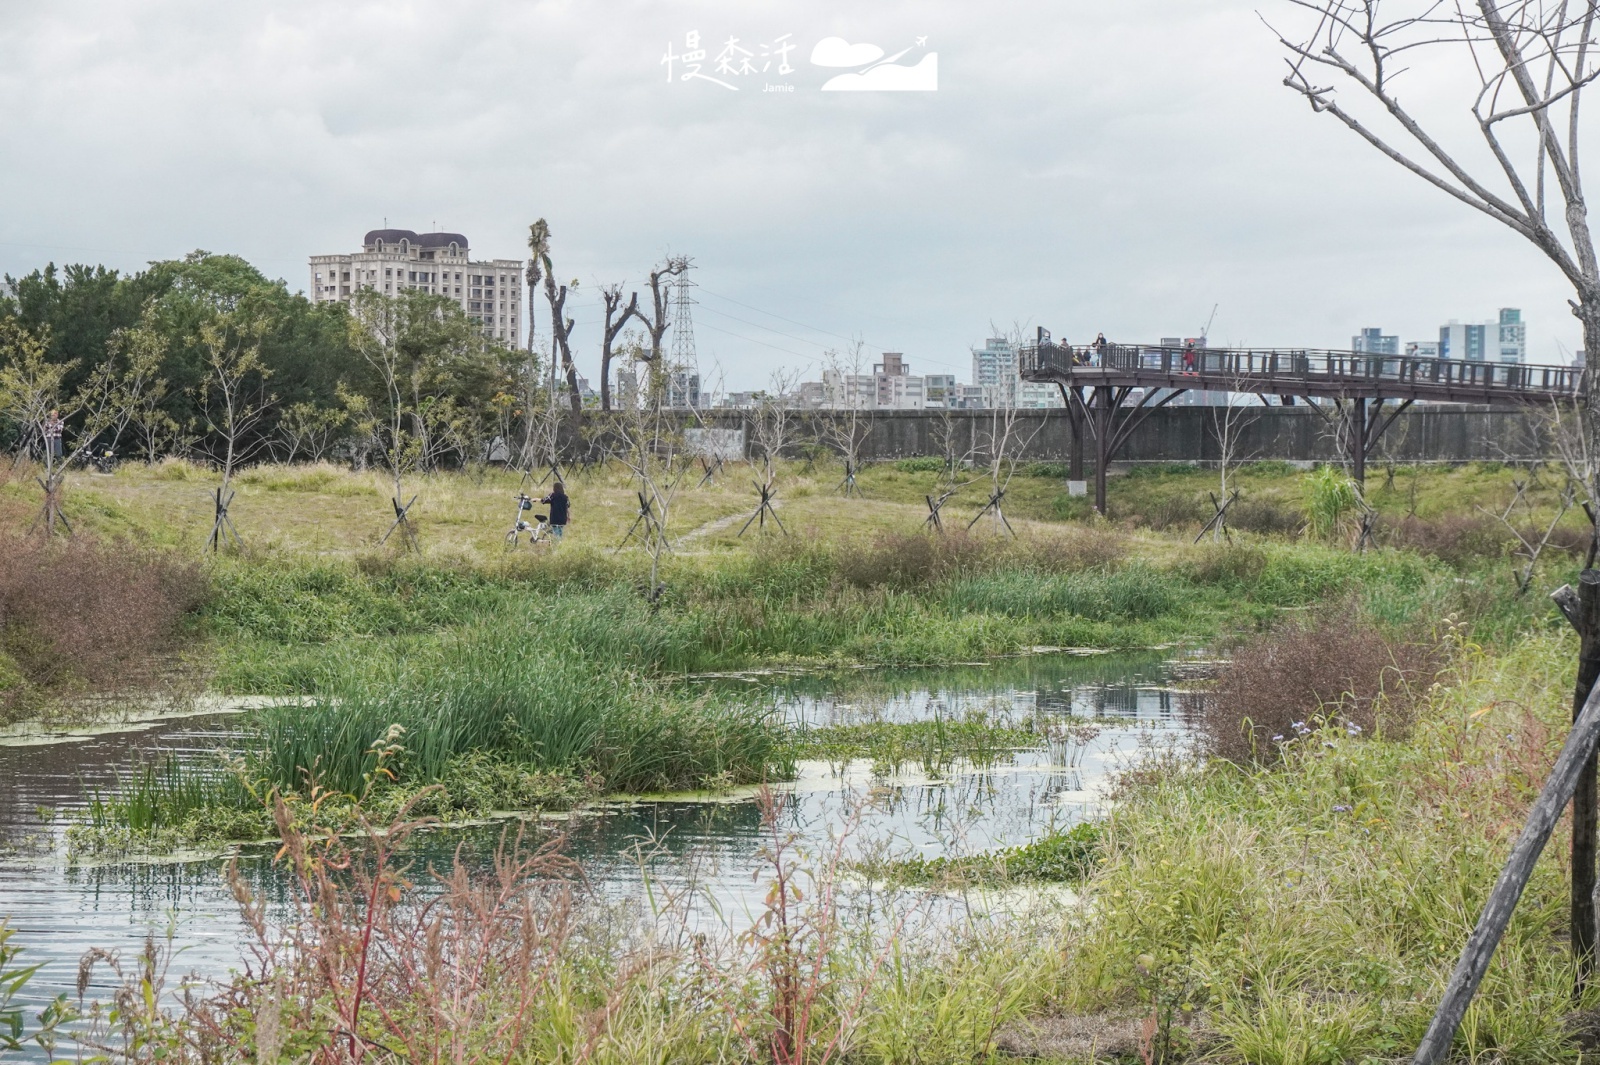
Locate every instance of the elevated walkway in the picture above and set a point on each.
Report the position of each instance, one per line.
(1111, 389)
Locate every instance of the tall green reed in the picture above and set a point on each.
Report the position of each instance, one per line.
(518, 689)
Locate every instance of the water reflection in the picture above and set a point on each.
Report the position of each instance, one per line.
(632, 854)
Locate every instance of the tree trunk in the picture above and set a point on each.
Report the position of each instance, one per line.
(1588, 312)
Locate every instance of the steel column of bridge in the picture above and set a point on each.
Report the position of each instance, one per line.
(1358, 440)
(1075, 423)
(1110, 420)
(1361, 423)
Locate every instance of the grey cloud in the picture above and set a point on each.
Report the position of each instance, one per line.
(1083, 166)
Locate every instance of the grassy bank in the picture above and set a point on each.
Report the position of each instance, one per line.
(288, 627)
(1310, 911)
(491, 717)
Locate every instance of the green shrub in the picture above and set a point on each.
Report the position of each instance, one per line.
(1330, 497)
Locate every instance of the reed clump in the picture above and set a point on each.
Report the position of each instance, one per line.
(1337, 668)
(82, 617)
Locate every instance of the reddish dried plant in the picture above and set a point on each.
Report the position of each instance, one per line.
(82, 616)
(1337, 668)
(368, 964)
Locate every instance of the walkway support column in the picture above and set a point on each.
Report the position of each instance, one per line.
(1357, 430)
(1075, 422)
(1101, 410)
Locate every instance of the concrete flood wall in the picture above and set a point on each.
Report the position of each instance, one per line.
(1434, 433)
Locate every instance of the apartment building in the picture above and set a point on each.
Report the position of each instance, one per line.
(392, 261)
(1373, 341)
(1504, 339)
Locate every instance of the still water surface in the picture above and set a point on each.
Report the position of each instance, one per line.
(710, 850)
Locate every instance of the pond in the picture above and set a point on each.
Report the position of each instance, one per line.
(708, 849)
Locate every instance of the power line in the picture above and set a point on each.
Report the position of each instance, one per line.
(810, 359)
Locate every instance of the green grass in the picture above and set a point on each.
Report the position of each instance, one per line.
(507, 689)
(1314, 911)
(1061, 857)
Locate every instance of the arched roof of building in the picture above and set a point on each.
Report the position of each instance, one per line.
(389, 236)
(440, 240)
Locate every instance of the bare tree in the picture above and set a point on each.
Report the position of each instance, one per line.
(774, 424)
(659, 320)
(1229, 420)
(376, 330)
(957, 456)
(617, 318)
(1575, 447)
(560, 325)
(1525, 68)
(1005, 441)
(651, 447)
(847, 425)
(1530, 541)
(233, 402)
(773, 429)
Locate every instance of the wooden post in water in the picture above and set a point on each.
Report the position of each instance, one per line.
(1574, 767)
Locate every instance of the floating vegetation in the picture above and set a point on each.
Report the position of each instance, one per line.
(1058, 858)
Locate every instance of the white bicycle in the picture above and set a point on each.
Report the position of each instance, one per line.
(538, 530)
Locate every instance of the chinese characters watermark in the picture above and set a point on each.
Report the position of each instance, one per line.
(734, 61)
(863, 67)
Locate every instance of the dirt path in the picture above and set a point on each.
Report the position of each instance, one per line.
(716, 526)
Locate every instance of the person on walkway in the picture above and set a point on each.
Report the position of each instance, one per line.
(560, 510)
(52, 435)
(1188, 357)
(1100, 348)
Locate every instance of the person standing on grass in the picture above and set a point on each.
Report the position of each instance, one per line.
(560, 510)
(52, 435)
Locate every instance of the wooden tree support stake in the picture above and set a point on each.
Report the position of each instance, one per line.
(51, 512)
(767, 506)
(995, 499)
(647, 525)
(1219, 517)
(403, 523)
(222, 525)
(712, 468)
(1365, 537)
(1572, 779)
(848, 485)
(933, 520)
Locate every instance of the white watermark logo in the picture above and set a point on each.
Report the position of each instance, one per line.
(739, 62)
(874, 72)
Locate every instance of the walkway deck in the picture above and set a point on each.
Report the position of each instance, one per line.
(1305, 373)
(1112, 390)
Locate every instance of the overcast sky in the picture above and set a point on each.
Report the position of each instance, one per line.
(1082, 165)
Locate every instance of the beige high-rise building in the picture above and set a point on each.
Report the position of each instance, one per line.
(394, 260)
